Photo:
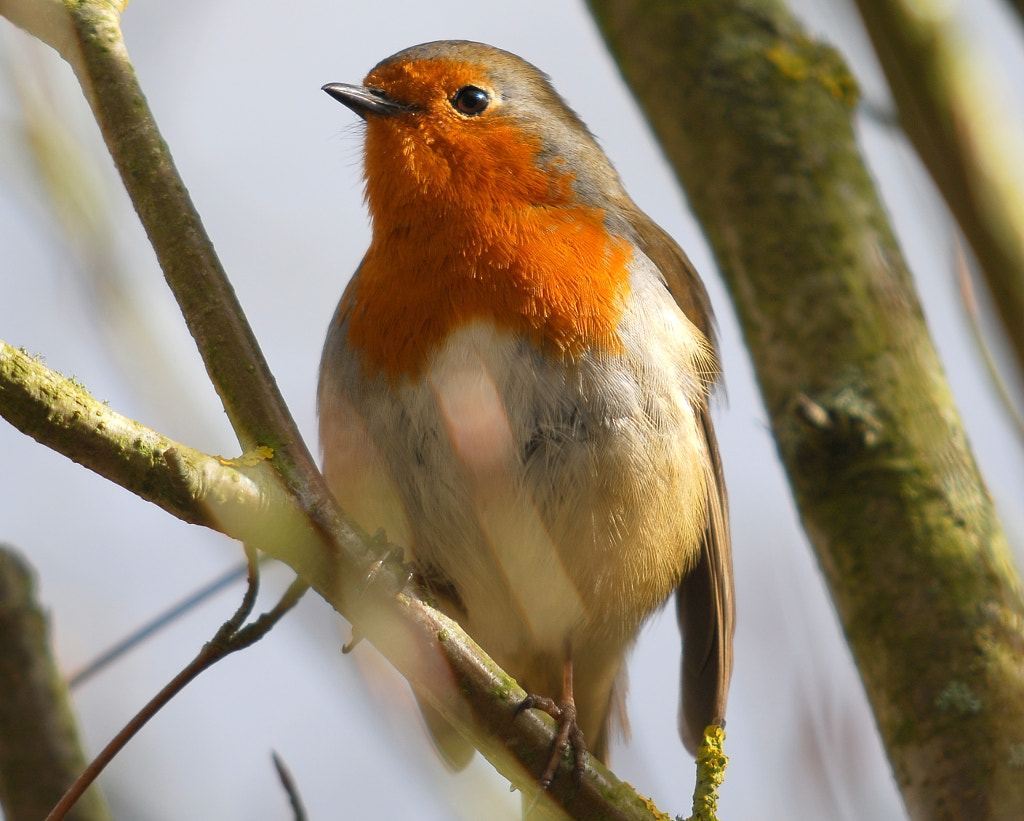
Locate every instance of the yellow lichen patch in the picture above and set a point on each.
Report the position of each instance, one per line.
(250, 459)
(711, 763)
(788, 62)
(657, 813)
(815, 63)
(842, 86)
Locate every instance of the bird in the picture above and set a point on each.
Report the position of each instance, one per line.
(516, 387)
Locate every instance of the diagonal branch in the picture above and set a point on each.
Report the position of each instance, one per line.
(244, 501)
(962, 132)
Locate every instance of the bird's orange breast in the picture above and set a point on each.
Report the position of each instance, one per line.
(472, 222)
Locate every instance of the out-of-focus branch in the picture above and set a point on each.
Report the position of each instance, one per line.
(969, 299)
(1018, 5)
(757, 120)
(40, 752)
(960, 128)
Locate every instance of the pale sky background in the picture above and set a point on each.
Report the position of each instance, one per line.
(273, 166)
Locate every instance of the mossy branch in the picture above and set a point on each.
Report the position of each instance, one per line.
(241, 498)
(758, 122)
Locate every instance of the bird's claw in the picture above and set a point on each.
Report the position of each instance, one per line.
(391, 554)
(352, 642)
(564, 713)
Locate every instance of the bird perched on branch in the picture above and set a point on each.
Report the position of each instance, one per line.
(515, 386)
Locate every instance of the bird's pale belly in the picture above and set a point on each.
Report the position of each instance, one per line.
(539, 509)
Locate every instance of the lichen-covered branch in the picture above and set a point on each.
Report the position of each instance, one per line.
(757, 120)
(960, 129)
(242, 498)
(40, 751)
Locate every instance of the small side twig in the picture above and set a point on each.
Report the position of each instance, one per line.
(973, 312)
(231, 637)
(290, 788)
(711, 762)
(160, 621)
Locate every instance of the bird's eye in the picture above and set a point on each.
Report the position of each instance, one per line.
(471, 101)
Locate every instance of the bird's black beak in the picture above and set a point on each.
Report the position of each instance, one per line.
(364, 101)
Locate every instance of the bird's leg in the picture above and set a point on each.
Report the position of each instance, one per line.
(563, 712)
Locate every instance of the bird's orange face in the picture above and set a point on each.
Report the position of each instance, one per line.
(457, 142)
(475, 216)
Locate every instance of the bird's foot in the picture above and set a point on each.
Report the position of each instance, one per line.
(389, 554)
(564, 713)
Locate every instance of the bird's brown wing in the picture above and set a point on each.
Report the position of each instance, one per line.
(680, 276)
(705, 609)
(704, 599)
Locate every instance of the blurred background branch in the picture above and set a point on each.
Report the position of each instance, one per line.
(40, 750)
(955, 114)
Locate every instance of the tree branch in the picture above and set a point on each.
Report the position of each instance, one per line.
(191, 485)
(757, 120)
(40, 752)
(961, 133)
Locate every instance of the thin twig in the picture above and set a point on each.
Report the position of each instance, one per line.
(973, 311)
(231, 636)
(290, 788)
(157, 623)
(711, 763)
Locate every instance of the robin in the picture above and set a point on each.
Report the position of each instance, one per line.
(515, 386)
